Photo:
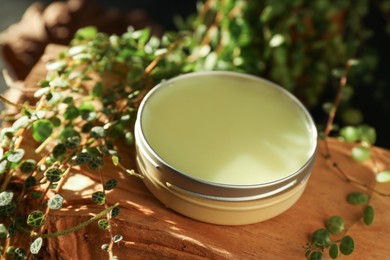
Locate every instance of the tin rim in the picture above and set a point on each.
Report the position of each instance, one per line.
(214, 190)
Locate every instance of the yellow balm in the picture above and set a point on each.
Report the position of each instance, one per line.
(228, 130)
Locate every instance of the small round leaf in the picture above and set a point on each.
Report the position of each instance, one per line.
(3, 231)
(58, 150)
(16, 156)
(316, 255)
(53, 174)
(350, 134)
(42, 129)
(104, 224)
(321, 238)
(117, 238)
(55, 202)
(3, 166)
(20, 123)
(36, 245)
(95, 163)
(367, 134)
(99, 197)
(335, 225)
(6, 197)
(115, 212)
(360, 153)
(73, 142)
(357, 198)
(110, 184)
(28, 166)
(97, 132)
(83, 158)
(368, 215)
(30, 182)
(334, 251)
(36, 219)
(383, 176)
(71, 112)
(347, 245)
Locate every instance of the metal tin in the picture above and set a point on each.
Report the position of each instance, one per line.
(219, 203)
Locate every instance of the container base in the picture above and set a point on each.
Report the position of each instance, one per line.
(220, 212)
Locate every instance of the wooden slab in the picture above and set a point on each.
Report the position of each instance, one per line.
(152, 231)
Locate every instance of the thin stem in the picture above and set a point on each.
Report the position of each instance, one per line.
(69, 230)
(356, 182)
(339, 97)
(9, 102)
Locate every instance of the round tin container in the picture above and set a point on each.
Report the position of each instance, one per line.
(178, 167)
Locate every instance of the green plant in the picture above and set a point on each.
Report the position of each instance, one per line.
(87, 103)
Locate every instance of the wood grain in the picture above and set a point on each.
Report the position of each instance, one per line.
(152, 231)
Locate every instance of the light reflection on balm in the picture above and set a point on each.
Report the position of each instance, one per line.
(228, 130)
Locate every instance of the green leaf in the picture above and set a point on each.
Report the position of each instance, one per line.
(105, 247)
(99, 197)
(56, 65)
(6, 197)
(59, 150)
(42, 129)
(321, 238)
(21, 123)
(335, 225)
(88, 32)
(360, 153)
(367, 134)
(347, 245)
(68, 132)
(83, 158)
(129, 138)
(383, 176)
(53, 174)
(30, 182)
(97, 132)
(350, 134)
(7, 210)
(36, 245)
(104, 224)
(19, 254)
(77, 50)
(36, 194)
(55, 202)
(3, 231)
(59, 82)
(36, 219)
(97, 90)
(334, 251)
(357, 198)
(117, 238)
(115, 212)
(71, 113)
(110, 184)
(95, 163)
(73, 142)
(368, 215)
(115, 160)
(316, 255)
(28, 166)
(3, 166)
(16, 156)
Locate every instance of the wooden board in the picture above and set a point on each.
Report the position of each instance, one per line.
(152, 231)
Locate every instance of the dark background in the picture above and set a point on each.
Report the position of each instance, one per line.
(373, 100)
